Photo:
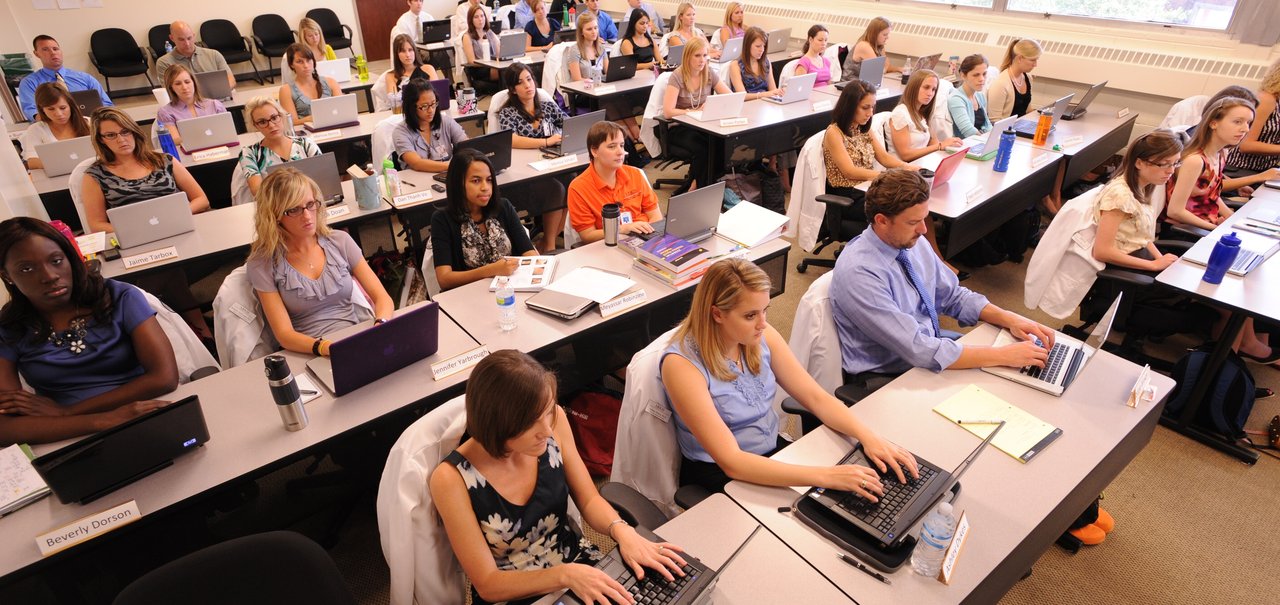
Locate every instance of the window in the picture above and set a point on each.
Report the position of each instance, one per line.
(1208, 14)
(977, 3)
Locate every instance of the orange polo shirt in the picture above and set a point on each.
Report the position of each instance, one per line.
(588, 195)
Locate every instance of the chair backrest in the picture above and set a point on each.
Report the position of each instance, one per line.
(832, 55)
(328, 22)
(383, 100)
(188, 351)
(157, 36)
(74, 183)
(941, 123)
(664, 43)
(551, 67)
(220, 34)
(240, 192)
(646, 457)
(878, 131)
(788, 70)
(615, 49)
(507, 15)
(652, 110)
(380, 141)
(273, 29)
(1185, 112)
(1062, 267)
(115, 45)
(272, 567)
(808, 180)
(423, 567)
(814, 339)
(571, 237)
(722, 72)
(498, 100)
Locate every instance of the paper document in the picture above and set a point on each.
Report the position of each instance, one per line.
(751, 225)
(1023, 435)
(20, 484)
(92, 243)
(594, 284)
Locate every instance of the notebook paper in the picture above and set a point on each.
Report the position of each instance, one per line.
(1023, 435)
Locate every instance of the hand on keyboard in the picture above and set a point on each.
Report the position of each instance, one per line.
(1025, 329)
(889, 458)
(639, 553)
(856, 479)
(592, 585)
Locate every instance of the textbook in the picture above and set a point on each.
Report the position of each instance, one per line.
(20, 484)
(751, 225)
(668, 252)
(675, 280)
(532, 274)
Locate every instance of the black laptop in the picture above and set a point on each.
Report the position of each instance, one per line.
(622, 67)
(88, 100)
(100, 464)
(565, 35)
(496, 145)
(436, 31)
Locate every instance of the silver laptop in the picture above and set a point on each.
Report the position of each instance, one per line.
(1026, 127)
(1067, 358)
(154, 219)
(214, 85)
(323, 169)
(928, 62)
(719, 107)
(1076, 110)
(207, 132)
(61, 157)
(338, 69)
(796, 88)
(574, 137)
(511, 45)
(378, 350)
(1255, 248)
(333, 112)
(731, 51)
(871, 72)
(779, 39)
(675, 55)
(691, 216)
(988, 144)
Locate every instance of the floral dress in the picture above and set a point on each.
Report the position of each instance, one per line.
(537, 535)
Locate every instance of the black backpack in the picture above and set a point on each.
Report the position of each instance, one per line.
(1230, 398)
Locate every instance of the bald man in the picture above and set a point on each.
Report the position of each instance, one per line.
(196, 58)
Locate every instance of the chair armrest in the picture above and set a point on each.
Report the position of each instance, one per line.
(248, 45)
(257, 43)
(1127, 277)
(203, 372)
(791, 406)
(1235, 202)
(689, 496)
(634, 508)
(834, 200)
(94, 61)
(1175, 246)
(350, 36)
(1195, 232)
(850, 394)
(294, 33)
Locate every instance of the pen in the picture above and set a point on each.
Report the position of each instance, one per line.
(306, 392)
(863, 568)
(979, 422)
(407, 183)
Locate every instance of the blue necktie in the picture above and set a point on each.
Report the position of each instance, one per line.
(926, 298)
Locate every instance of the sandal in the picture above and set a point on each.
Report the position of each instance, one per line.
(1263, 393)
(1268, 360)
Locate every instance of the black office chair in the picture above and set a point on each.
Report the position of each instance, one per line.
(671, 155)
(115, 54)
(156, 37)
(837, 228)
(267, 568)
(336, 33)
(223, 36)
(271, 36)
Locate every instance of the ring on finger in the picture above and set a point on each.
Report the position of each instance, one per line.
(863, 485)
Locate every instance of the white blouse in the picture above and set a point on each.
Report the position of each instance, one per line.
(901, 118)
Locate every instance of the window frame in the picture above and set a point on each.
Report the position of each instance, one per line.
(1001, 7)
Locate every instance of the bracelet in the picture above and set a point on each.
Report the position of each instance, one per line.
(379, 320)
(315, 347)
(608, 529)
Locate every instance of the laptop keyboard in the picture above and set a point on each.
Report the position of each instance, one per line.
(655, 589)
(883, 514)
(1244, 260)
(1052, 367)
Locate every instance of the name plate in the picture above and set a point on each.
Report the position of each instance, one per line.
(622, 303)
(87, 528)
(733, 122)
(974, 195)
(147, 258)
(458, 363)
(326, 135)
(1042, 159)
(409, 199)
(563, 161)
(823, 106)
(337, 211)
(217, 153)
(525, 59)
(1123, 113)
(1071, 142)
(953, 550)
(607, 89)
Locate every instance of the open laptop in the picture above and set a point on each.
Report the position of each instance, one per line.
(565, 35)
(694, 588)
(207, 132)
(495, 145)
(61, 157)
(154, 219)
(379, 350)
(574, 134)
(323, 169)
(338, 69)
(779, 39)
(797, 88)
(622, 67)
(889, 520)
(104, 462)
(928, 62)
(444, 93)
(437, 31)
(329, 113)
(1255, 248)
(1076, 110)
(214, 85)
(1026, 127)
(719, 107)
(87, 100)
(1067, 358)
(511, 45)
(675, 56)
(731, 51)
(871, 72)
(691, 216)
(984, 146)
(947, 167)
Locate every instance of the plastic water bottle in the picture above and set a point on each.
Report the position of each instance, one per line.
(1042, 127)
(391, 178)
(572, 21)
(166, 141)
(935, 535)
(168, 47)
(506, 298)
(362, 68)
(1005, 150)
(1224, 253)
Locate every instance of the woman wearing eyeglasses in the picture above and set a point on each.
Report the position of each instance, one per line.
(425, 141)
(302, 271)
(276, 146)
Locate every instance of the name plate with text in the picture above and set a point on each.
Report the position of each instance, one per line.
(326, 135)
(458, 363)
(953, 550)
(1070, 142)
(87, 528)
(410, 199)
(727, 122)
(563, 161)
(974, 195)
(217, 153)
(1042, 159)
(622, 303)
(1123, 113)
(823, 106)
(337, 211)
(605, 90)
(146, 258)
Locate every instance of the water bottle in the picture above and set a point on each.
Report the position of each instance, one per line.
(506, 297)
(168, 47)
(907, 68)
(391, 178)
(1005, 150)
(572, 21)
(935, 535)
(1224, 253)
(284, 390)
(1042, 127)
(954, 64)
(166, 140)
(362, 68)
(609, 216)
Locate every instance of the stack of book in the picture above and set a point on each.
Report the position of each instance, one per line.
(669, 259)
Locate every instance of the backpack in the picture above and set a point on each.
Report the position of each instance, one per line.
(1230, 397)
(593, 418)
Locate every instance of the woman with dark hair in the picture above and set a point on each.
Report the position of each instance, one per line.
(967, 103)
(752, 73)
(814, 60)
(479, 43)
(849, 152)
(478, 233)
(503, 496)
(185, 101)
(1126, 220)
(59, 119)
(91, 349)
(406, 65)
(535, 123)
(638, 39)
(307, 85)
(425, 141)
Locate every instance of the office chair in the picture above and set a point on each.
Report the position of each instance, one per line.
(271, 36)
(654, 134)
(156, 37)
(116, 54)
(820, 218)
(336, 33)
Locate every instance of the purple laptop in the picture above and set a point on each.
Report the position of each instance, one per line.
(379, 350)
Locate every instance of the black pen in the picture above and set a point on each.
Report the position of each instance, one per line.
(407, 183)
(867, 570)
(306, 392)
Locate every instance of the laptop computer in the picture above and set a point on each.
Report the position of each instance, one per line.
(691, 216)
(323, 169)
(719, 107)
(984, 146)
(207, 132)
(511, 45)
(1076, 110)
(88, 100)
(675, 56)
(379, 350)
(731, 51)
(559, 304)
(1255, 248)
(329, 113)
(779, 39)
(1026, 127)
(928, 62)
(565, 35)
(574, 134)
(437, 31)
(154, 219)
(694, 588)
(338, 69)
(104, 462)
(1067, 358)
(444, 93)
(622, 67)
(214, 85)
(496, 145)
(61, 157)
(889, 520)
(947, 167)
(796, 88)
(871, 72)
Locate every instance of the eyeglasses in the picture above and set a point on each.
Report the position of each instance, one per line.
(263, 123)
(111, 136)
(1165, 165)
(311, 206)
(428, 106)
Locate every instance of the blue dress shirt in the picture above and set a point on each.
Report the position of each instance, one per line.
(524, 14)
(76, 81)
(608, 31)
(882, 324)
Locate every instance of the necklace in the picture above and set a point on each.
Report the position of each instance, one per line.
(72, 337)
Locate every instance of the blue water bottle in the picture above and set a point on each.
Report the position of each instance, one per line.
(1224, 253)
(1005, 150)
(166, 140)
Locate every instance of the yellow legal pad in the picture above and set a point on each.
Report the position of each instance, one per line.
(1023, 435)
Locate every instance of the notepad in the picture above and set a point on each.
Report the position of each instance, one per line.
(20, 484)
(1023, 436)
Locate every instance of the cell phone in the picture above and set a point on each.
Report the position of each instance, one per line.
(438, 187)
(111, 253)
(549, 156)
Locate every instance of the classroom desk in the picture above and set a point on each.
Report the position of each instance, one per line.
(246, 440)
(534, 59)
(1101, 135)
(1016, 510)
(887, 94)
(633, 92)
(771, 128)
(146, 113)
(1253, 295)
